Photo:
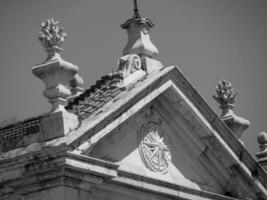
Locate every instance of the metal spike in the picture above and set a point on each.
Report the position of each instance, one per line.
(136, 14)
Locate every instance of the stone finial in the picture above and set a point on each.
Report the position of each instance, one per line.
(54, 72)
(51, 38)
(225, 93)
(76, 84)
(262, 154)
(57, 74)
(262, 140)
(139, 41)
(225, 96)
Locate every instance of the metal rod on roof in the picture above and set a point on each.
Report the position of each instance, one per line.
(136, 14)
(135, 5)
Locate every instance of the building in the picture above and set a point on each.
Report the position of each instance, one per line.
(142, 132)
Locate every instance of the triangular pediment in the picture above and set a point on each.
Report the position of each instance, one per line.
(157, 135)
(162, 140)
(151, 144)
(162, 129)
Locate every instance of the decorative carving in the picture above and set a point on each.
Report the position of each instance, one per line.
(139, 41)
(51, 37)
(225, 93)
(129, 64)
(141, 21)
(154, 152)
(129, 69)
(137, 19)
(75, 84)
(54, 72)
(225, 96)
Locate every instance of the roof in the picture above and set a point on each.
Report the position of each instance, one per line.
(20, 128)
(84, 105)
(125, 99)
(96, 96)
(105, 101)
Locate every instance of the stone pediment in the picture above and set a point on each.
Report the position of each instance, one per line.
(153, 145)
(156, 135)
(166, 131)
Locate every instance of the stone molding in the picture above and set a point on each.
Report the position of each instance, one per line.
(86, 174)
(234, 149)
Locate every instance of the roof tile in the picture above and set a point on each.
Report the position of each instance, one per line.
(84, 105)
(96, 96)
(21, 128)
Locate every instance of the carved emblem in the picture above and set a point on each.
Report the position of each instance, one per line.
(128, 64)
(154, 152)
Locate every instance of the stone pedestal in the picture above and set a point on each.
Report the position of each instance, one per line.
(57, 125)
(56, 74)
(149, 64)
(262, 159)
(237, 124)
(139, 40)
(262, 154)
(225, 96)
(76, 86)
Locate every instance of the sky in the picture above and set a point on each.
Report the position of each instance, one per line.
(209, 40)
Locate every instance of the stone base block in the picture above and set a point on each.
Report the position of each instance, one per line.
(150, 64)
(237, 124)
(57, 125)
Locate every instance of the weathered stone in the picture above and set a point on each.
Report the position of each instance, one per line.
(57, 125)
(156, 139)
(237, 124)
(225, 96)
(262, 140)
(197, 169)
(149, 65)
(139, 42)
(76, 83)
(56, 75)
(262, 154)
(51, 38)
(54, 71)
(129, 66)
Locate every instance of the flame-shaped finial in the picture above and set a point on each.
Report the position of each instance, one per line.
(225, 96)
(51, 37)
